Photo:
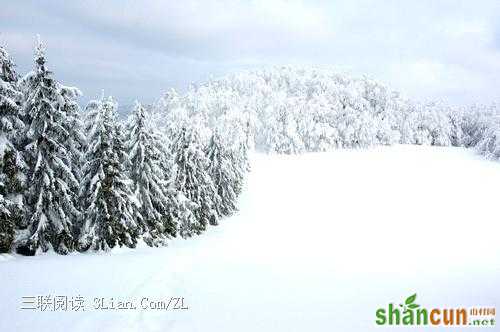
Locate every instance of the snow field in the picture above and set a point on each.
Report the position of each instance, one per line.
(320, 241)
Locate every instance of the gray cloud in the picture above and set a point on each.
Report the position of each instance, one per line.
(429, 49)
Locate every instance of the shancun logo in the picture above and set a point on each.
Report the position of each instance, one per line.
(411, 313)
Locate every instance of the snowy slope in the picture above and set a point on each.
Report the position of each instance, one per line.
(320, 242)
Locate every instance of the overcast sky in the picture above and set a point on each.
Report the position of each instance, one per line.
(428, 49)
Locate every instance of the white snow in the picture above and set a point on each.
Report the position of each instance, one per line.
(321, 241)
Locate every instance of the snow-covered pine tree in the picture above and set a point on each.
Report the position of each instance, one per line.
(12, 167)
(148, 178)
(176, 210)
(110, 209)
(178, 207)
(125, 202)
(6, 226)
(223, 175)
(194, 182)
(50, 199)
(75, 141)
(240, 164)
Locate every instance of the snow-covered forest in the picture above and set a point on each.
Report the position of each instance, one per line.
(288, 110)
(82, 179)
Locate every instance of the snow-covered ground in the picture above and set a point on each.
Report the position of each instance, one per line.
(320, 241)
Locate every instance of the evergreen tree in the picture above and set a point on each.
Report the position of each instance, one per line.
(125, 202)
(12, 167)
(223, 175)
(176, 210)
(75, 141)
(241, 166)
(50, 198)
(110, 210)
(194, 182)
(6, 226)
(149, 182)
